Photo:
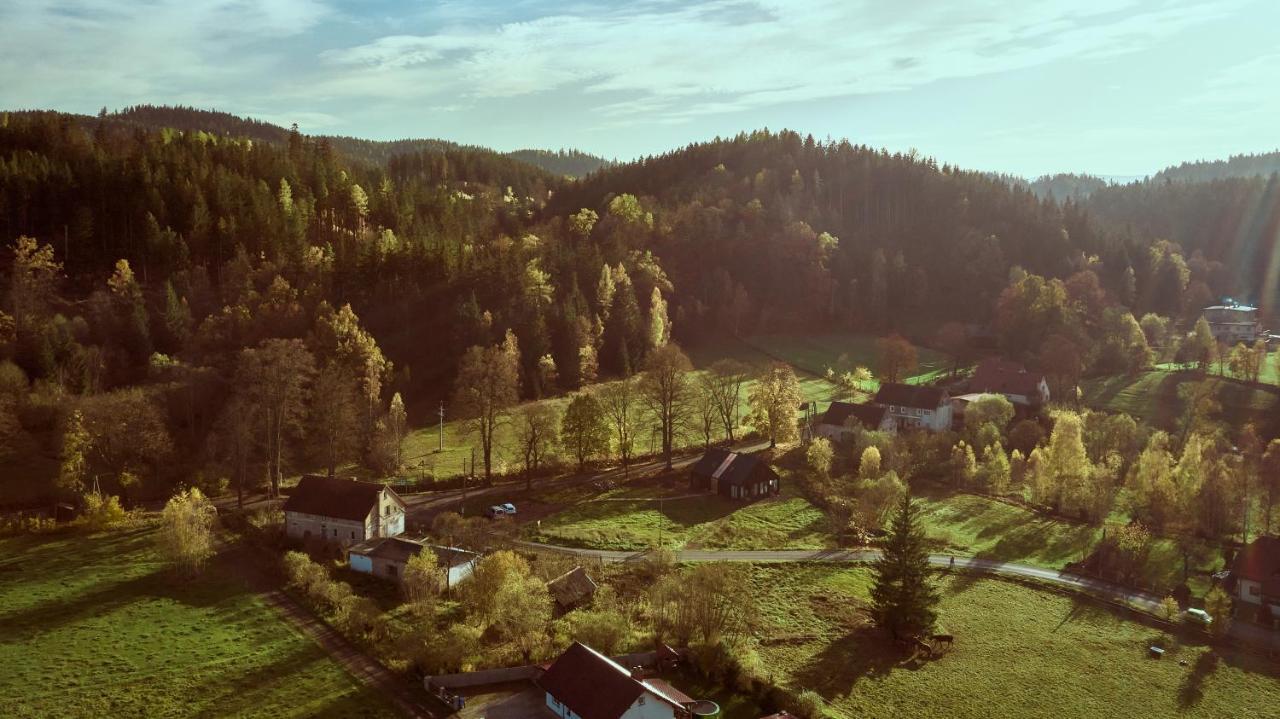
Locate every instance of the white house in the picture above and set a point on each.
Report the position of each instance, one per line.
(1232, 323)
(1256, 573)
(343, 511)
(842, 419)
(585, 684)
(387, 556)
(916, 406)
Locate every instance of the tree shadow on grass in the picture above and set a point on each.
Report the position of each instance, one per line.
(1191, 691)
(865, 652)
(207, 590)
(1084, 609)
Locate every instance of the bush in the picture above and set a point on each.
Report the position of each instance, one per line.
(15, 526)
(808, 704)
(102, 511)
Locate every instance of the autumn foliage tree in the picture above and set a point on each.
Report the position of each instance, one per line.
(488, 384)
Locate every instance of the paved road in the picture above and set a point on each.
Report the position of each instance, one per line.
(1247, 633)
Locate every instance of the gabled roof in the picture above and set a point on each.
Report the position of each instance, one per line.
(395, 549)
(571, 588)
(910, 395)
(333, 497)
(1003, 377)
(594, 686)
(1260, 562)
(868, 415)
(710, 461)
(731, 467)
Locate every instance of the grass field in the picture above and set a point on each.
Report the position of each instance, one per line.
(787, 521)
(814, 353)
(1019, 652)
(95, 626)
(1153, 396)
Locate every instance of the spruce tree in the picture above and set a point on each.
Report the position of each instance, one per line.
(903, 598)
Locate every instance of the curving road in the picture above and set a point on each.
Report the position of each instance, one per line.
(1240, 631)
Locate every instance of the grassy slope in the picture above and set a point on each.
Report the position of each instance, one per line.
(1019, 652)
(1153, 396)
(711, 522)
(95, 626)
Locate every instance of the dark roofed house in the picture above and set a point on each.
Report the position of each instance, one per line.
(734, 475)
(585, 684)
(913, 405)
(387, 557)
(1019, 386)
(342, 510)
(1256, 573)
(571, 589)
(842, 418)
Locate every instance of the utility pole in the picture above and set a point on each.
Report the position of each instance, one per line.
(440, 448)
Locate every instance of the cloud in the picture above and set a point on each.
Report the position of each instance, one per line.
(681, 61)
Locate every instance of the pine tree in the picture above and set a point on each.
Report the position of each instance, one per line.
(904, 598)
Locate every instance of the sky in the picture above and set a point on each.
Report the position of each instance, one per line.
(1109, 87)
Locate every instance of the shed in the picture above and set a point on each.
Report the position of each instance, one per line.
(572, 589)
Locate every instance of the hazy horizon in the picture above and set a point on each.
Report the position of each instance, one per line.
(1110, 88)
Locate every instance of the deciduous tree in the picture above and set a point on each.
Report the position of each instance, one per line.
(774, 400)
(186, 529)
(666, 392)
(487, 385)
(584, 428)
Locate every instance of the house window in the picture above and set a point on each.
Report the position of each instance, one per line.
(1254, 590)
(353, 534)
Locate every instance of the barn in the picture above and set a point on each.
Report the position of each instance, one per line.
(734, 475)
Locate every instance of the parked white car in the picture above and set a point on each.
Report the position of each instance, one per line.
(1199, 616)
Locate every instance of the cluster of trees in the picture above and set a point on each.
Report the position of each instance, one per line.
(666, 402)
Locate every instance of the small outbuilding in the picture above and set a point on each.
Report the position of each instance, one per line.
(386, 557)
(572, 589)
(734, 475)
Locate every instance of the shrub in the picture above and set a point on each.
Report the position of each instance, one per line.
(102, 511)
(808, 704)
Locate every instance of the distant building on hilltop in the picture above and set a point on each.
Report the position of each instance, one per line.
(1232, 323)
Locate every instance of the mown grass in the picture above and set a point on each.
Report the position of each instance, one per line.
(787, 521)
(1153, 396)
(1019, 652)
(97, 626)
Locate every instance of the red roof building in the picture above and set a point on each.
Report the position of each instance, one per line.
(1015, 382)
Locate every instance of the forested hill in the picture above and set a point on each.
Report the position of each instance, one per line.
(1242, 166)
(795, 230)
(569, 163)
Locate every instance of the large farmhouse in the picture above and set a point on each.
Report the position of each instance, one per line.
(734, 475)
(585, 684)
(842, 420)
(1231, 323)
(343, 511)
(916, 406)
(1021, 387)
(1256, 574)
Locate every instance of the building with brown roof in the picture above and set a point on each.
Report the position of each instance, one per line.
(916, 406)
(585, 684)
(842, 419)
(343, 511)
(1020, 386)
(1256, 574)
(572, 589)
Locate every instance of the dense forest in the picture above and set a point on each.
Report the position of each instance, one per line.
(187, 277)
